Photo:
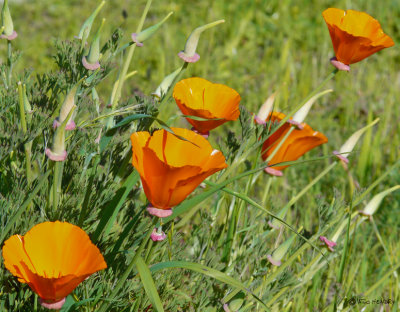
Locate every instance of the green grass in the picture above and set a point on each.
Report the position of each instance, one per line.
(263, 47)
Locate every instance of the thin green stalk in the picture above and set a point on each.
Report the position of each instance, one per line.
(57, 177)
(27, 146)
(124, 276)
(344, 255)
(127, 62)
(9, 61)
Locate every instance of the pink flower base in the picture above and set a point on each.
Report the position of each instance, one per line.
(273, 261)
(89, 66)
(10, 37)
(259, 120)
(274, 172)
(134, 39)
(328, 243)
(69, 126)
(161, 213)
(341, 157)
(205, 135)
(298, 125)
(339, 65)
(57, 305)
(56, 157)
(157, 237)
(189, 59)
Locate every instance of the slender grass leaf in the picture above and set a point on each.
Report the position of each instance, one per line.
(148, 284)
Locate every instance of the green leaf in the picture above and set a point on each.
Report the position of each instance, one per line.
(109, 214)
(196, 267)
(148, 284)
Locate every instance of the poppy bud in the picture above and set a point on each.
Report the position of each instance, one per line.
(91, 61)
(374, 203)
(87, 25)
(148, 32)
(329, 244)
(302, 113)
(6, 21)
(163, 88)
(265, 110)
(189, 54)
(58, 152)
(157, 235)
(68, 103)
(280, 252)
(347, 147)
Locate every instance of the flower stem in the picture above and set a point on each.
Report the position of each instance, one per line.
(127, 62)
(121, 281)
(9, 61)
(27, 146)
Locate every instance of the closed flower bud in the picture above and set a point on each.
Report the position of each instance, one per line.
(278, 254)
(374, 203)
(265, 110)
(6, 21)
(91, 61)
(189, 54)
(87, 25)
(57, 151)
(163, 88)
(302, 113)
(348, 147)
(148, 32)
(66, 107)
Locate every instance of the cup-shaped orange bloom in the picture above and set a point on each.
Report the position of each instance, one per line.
(299, 142)
(355, 35)
(171, 168)
(52, 258)
(202, 98)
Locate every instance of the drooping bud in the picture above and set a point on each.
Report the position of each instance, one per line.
(91, 61)
(328, 243)
(148, 32)
(57, 151)
(278, 254)
(87, 25)
(66, 107)
(163, 88)
(265, 110)
(189, 54)
(374, 203)
(6, 21)
(347, 147)
(157, 235)
(302, 113)
(27, 105)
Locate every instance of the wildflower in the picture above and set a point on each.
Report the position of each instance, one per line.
(299, 142)
(53, 258)
(171, 168)
(201, 98)
(355, 36)
(329, 244)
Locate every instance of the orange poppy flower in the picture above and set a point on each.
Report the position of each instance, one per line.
(52, 258)
(299, 142)
(171, 168)
(202, 98)
(355, 35)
